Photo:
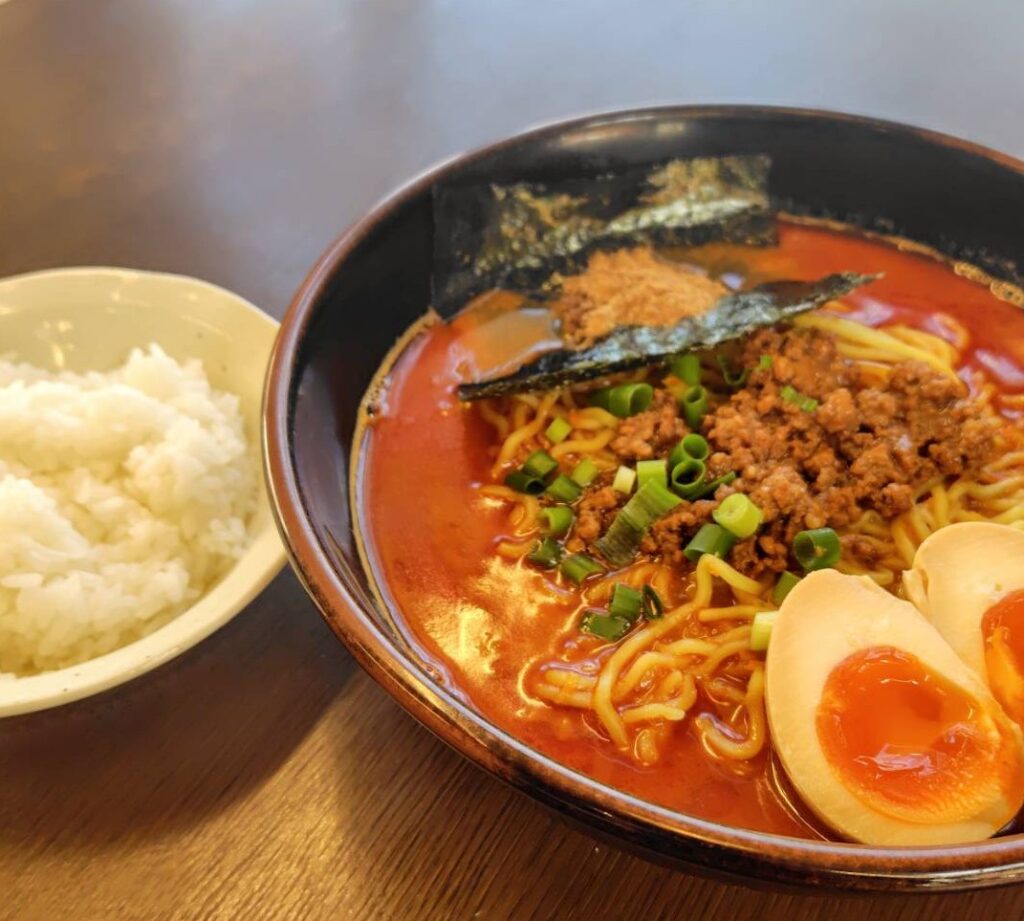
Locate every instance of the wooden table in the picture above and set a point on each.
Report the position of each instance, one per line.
(263, 774)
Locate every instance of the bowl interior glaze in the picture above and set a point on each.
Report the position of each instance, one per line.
(374, 281)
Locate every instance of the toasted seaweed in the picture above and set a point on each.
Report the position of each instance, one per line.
(516, 236)
(635, 346)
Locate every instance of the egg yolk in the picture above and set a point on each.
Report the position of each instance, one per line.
(908, 742)
(1003, 630)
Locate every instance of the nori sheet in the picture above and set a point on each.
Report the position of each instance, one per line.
(516, 236)
(635, 346)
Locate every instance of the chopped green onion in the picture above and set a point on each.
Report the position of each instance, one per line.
(695, 406)
(733, 379)
(650, 503)
(540, 464)
(625, 602)
(625, 477)
(653, 606)
(564, 489)
(577, 567)
(686, 368)
(790, 395)
(585, 473)
(761, 629)
(784, 586)
(817, 549)
(738, 515)
(558, 430)
(709, 488)
(687, 477)
(624, 400)
(605, 626)
(693, 445)
(547, 553)
(556, 520)
(764, 362)
(620, 542)
(651, 470)
(523, 482)
(711, 538)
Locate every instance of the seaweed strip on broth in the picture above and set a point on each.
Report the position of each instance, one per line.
(516, 236)
(635, 346)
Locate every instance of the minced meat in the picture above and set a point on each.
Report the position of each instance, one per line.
(630, 287)
(860, 448)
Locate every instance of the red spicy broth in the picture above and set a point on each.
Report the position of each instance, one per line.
(483, 619)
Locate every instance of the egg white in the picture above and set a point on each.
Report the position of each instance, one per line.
(825, 619)
(960, 572)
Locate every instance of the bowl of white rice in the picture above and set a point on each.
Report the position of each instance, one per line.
(134, 518)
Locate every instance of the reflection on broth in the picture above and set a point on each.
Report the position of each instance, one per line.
(606, 570)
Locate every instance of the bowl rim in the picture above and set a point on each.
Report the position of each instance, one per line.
(733, 853)
(265, 554)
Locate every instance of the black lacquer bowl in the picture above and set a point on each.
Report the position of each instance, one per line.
(374, 281)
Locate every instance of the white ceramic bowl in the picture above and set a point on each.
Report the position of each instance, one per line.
(89, 319)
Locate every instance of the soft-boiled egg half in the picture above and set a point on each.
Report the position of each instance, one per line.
(884, 731)
(968, 580)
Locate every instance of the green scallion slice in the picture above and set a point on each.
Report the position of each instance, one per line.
(687, 477)
(624, 400)
(547, 553)
(540, 464)
(711, 538)
(523, 482)
(817, 549)
(559, 430)
(686, 368)
(585, 473)
(761, 630)
(784, 586)
(651, 470)
(764, 362)
(738, 515)
(626, 602)
(693, 446)
(564, 489)
(733, 379)
(791, 395)
(556, 520)
(605, 626)
(653, 606)
(620, 542)
(577, 567)
(625, 478)
(695, 405)
(709, 488)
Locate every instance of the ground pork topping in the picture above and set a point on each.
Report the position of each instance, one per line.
(630, 287)
(652, 433)
(865, 446)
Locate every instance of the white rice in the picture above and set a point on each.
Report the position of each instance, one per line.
(123, 497)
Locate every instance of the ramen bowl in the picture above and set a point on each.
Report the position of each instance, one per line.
(374, 282)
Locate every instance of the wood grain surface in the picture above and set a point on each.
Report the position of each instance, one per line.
(263, 775)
